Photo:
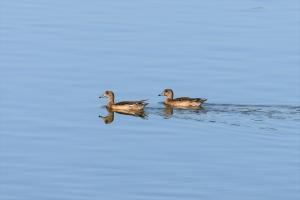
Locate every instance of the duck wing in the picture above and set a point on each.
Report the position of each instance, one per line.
(141, 102)
(190, 99)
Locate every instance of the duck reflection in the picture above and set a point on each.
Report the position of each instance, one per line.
(109, 118)
(168, 110)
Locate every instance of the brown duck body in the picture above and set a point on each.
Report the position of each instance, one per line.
(182, 101)
(185, 102)
(128, 106)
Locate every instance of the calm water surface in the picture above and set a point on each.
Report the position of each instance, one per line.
(57, 57)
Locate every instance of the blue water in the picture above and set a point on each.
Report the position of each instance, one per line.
(57, 57)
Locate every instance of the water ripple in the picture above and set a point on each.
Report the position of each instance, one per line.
(259, 116)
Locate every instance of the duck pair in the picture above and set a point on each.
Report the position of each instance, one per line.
(135, 106)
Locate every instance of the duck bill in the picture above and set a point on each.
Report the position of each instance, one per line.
(102, 96)
(161, 94)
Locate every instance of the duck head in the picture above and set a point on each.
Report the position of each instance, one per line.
(109, 95)
(168, 93)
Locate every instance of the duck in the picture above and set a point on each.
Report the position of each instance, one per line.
(183, 102)
(123, 106)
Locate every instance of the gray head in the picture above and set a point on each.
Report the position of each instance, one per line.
(168, 93)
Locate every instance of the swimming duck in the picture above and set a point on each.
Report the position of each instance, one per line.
(182, 101)
(124, 105)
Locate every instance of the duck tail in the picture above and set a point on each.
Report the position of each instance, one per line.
(201, 100)
(144, 102)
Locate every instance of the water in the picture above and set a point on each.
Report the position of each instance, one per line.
(57, 57)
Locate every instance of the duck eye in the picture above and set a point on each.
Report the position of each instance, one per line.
(106, 92)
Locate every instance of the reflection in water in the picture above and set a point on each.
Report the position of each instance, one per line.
(259, 116)
(109, 118)
(168, 110)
